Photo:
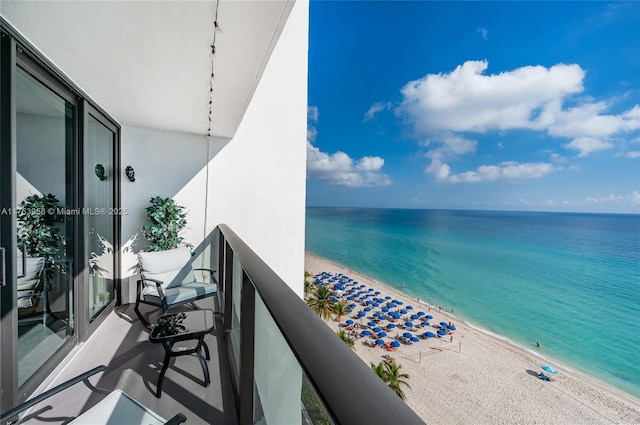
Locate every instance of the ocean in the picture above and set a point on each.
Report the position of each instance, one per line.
(568, 280)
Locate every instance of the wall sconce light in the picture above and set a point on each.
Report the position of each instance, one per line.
(99, 170)
(131, 174)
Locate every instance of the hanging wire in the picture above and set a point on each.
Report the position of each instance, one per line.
(216, 31)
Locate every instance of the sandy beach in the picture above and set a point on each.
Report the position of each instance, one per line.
(482, 379)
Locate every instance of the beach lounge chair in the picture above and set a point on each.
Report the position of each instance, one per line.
(544, 377)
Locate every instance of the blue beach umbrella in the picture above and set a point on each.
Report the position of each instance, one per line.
(451, 328)
(349, 322)
(441, 332)
(428, 316)
(548, 369)
(361, 314)
(388, 297)
(371, 324)
(429, 335)
(409, 307)
(391, 326)
(395, 344)
(376, 329)
(385, 310)
(382, 334)
(445, 324)
(408, 324)
(365, 333)
(367, 309)
(403, 311)
(425, 324)
(414, 339)
(352, 305)
(414, 317)
(379, 342)
(407, 335)
(377, 292)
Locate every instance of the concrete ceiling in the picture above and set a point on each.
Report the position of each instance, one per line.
(147, 62)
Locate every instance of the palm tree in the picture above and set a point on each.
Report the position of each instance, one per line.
(344, 337)
(307, 288)
(379, 370)
(395, 379)
(390, 374)
(320, 302)
(340, 310)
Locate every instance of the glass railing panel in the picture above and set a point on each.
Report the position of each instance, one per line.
(234, 332)
(282, 392)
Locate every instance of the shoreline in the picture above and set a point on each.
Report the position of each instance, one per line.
(586, 399)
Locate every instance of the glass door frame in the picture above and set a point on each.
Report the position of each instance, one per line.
(16, 51)
(88, 324)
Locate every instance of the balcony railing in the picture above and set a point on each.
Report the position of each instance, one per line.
(287, 366)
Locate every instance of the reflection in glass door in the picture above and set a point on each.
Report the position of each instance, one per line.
(99, 211)
(45, 216)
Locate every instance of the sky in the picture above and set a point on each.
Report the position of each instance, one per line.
(474, 105)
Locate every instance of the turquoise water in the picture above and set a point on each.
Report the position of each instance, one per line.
(570, 281)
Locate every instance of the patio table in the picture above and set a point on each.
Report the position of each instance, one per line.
(184, 326)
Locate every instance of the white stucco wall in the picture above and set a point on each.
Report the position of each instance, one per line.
(256, 181)
(259, 178)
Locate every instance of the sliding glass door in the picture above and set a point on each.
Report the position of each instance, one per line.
(100, 213)
(59, 219)
(46, 215)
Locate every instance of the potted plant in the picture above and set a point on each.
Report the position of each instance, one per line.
(166, 220)
(38, 227)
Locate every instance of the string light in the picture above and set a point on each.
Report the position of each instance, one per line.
(217, 30)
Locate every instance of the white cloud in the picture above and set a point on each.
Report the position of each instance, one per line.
(633, 154)
(633, 199)
(467, 100)
(504, 171)
(340, 169)
(312, 118)
(375, 108)
(483, 31)
(530, 97)
(313, 113)
(451, 146)
(586, 145)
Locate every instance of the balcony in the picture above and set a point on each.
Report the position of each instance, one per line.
(272, 360)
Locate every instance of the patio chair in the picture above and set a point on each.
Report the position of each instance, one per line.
(116, 408)
(29, 289)
(167, 280)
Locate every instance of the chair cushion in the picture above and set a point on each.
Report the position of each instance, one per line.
(26, 285)
(33, 269)
(118, 408)
(184, 293)
(165, 266)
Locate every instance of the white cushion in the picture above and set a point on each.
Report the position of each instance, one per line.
(119, 409)
(26, 285)
(33, 269)
(165, 266)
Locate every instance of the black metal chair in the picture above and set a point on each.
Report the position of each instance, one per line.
(167, 280)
